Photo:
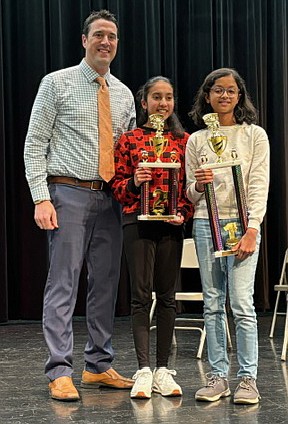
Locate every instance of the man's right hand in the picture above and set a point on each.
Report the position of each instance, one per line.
(45, 216)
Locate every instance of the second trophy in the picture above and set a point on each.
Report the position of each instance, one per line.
(157, 204)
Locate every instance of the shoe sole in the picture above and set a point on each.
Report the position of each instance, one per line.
(213, 398)
(65, 399)
(246, 401)
(140, 395)
(89, 385)
(175, 393)
(98, 385)
(68, 399)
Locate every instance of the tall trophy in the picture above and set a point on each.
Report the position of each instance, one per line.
(156, 204)
(218, 143)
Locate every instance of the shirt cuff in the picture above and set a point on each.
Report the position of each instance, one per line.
(132, 187)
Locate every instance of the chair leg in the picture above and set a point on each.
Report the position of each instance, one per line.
(274, 316)
(152, 310)
(174, 341)
(229, 342)
(285, 341)
(201, 344)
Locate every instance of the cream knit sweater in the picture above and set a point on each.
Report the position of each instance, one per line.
(252, 147)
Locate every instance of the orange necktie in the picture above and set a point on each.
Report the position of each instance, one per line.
(106, 144)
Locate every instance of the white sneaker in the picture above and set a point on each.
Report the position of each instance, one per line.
(142, 388)
(164, 383)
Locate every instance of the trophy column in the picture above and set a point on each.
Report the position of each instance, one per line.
(173, 192)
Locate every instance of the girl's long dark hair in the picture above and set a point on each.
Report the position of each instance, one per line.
(173, 122)
(244, 110)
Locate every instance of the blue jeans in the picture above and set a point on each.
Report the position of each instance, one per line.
(218, 275)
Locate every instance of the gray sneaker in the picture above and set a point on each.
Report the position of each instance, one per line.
(216, 388)
(246, 392)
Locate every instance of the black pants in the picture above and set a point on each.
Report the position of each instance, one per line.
(153, 252)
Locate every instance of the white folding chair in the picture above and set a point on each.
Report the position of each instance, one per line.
(189, 260)
(281, 287)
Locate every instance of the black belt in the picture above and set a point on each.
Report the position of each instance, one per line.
(93, 184)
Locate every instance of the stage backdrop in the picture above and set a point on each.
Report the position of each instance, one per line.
(183, 40)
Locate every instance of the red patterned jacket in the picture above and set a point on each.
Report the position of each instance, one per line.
(128, 153)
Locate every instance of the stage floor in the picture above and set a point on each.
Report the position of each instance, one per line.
(25, 399)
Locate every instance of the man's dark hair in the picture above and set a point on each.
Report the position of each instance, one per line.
(100, 14)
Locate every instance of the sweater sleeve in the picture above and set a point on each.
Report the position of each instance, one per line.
(258, 179)
(184, 206)
(122, 184)
(191, 164)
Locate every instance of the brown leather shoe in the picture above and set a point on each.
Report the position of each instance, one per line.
(110, 378)
(62, 388)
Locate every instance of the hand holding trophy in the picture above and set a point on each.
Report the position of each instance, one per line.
(161, 198)
(218, 144)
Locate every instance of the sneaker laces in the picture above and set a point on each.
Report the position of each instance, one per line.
(246, 384)
(166, 375)
(143, 374)
(212, 379)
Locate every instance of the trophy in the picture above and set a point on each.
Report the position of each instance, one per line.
(159, 143)
(218, 143)
(164, 204)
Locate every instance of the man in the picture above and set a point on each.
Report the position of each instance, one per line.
(75, 205)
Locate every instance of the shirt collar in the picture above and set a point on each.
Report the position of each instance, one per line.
(91, 75)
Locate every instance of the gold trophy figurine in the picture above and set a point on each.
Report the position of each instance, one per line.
(159, 143)
(232, 240)
(217, 142)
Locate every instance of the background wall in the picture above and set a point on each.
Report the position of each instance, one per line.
(183, 40)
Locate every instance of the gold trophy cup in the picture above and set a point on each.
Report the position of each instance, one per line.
(159, 143)
(216, 142)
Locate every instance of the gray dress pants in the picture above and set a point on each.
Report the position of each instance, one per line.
(90, 229)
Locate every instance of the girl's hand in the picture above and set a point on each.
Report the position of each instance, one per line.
(178, 221)
(247, 244)
(141, 175)
(203, 176)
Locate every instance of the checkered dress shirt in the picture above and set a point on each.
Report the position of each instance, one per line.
(62, 137)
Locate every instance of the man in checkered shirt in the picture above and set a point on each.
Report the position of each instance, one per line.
(76, 207)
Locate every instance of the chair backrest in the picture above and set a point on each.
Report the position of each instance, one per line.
(283, 276)
(189, 255)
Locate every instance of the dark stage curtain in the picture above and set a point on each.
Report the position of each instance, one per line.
(183, 40)
(3, 226)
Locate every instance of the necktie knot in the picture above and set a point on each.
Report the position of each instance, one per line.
(101, 81)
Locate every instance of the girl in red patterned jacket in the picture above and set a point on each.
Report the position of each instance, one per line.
(153, 248)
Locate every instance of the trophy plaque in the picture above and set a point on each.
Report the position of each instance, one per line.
(218, 143)
(163, 206)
